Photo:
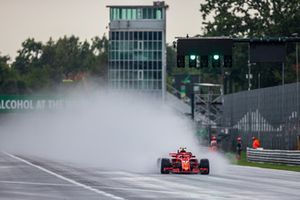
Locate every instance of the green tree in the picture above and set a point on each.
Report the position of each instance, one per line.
(28, 56)
(10, 83)
(67, 54)
(4, 68)
(171, 59)
(251, 17)
(41, 66)
(99, 48)
(29, 66)
(51, 62)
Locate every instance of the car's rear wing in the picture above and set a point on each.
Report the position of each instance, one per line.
(173, 154)
(186, 153)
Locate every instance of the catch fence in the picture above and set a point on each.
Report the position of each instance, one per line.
(271, 114)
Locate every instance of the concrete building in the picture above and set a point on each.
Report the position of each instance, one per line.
(137, 48)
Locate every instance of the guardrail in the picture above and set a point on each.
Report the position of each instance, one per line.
(290, 157)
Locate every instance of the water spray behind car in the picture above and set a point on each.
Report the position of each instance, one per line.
(105, 130)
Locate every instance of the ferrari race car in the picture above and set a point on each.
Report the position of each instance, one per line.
(183, 162)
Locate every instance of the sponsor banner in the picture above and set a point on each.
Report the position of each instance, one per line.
(30, 103)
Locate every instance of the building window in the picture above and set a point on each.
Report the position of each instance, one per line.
(160, 35)
(139, 13)
(129, 14)
(140, 74)
(124, 13)
(159, 46)
(140, 45)
(131, 35)
(154, 35)
(121, 35)
(145, 35)
(135, 35)
(112, 35)
(116, 13)
(154, 46)
(150, 36)
(150, 13)
(135, 13)
(158, 13)
(145, 13)
(150, 46)
(140, 35)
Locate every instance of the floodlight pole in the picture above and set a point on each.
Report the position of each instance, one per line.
(249, 68)
(223, 74)
(249, 72)
(297, 86)
(282, 78)
(209, 100)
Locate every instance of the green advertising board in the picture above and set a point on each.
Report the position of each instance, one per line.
(20, 103)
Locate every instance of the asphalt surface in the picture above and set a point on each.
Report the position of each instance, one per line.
(26, 178)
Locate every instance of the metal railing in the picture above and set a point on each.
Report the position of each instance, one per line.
(289, 157)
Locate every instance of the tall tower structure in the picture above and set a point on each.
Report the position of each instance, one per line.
(137, 48)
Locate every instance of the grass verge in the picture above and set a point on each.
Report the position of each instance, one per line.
(244, 162)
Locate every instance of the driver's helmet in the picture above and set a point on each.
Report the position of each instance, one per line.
(182, 149)
(213, 138)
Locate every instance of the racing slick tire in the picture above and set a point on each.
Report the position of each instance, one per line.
(204, 163)
(165, 162)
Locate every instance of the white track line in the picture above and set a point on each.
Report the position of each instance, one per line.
(36, 183)
(66, 179)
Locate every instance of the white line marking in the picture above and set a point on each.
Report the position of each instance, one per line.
(36, 183)
(31, 194)
(66, 179)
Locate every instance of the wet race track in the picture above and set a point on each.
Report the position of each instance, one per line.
(25, 178)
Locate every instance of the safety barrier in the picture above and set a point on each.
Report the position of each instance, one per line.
(289, 157)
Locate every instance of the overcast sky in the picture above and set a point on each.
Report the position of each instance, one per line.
(42, 19)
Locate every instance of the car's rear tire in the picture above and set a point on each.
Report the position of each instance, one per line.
(204, 163)
(165, 162)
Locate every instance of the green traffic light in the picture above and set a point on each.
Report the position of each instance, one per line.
(216, 57)
(192, 57)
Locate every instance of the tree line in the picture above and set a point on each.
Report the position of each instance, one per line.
(39, 66)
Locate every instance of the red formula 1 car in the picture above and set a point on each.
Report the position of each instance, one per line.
(183, 162)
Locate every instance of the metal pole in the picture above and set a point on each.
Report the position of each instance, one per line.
(208, 116)
(282, 74)
(297, 87)
(259, 92)
(249, 68)
(258, 80)
(297, 62)
(282, 106)
(193, 105)
(223, 74)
